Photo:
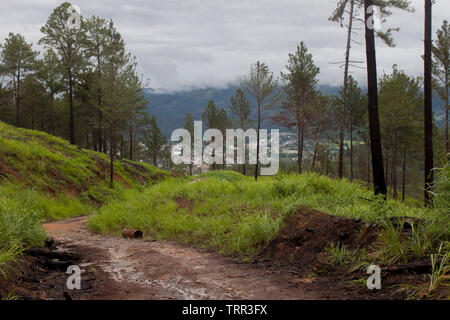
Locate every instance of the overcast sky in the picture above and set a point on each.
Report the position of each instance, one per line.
(183, 44)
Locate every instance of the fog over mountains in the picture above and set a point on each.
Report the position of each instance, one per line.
(171, 108)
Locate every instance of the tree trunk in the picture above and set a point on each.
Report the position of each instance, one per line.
(257, 142)
(428, 105)
(404, 178)
(18, 99)
(391, 178)
(387, 168)
(394, 166)
(344, 102)
(111, 153)
(316, 147)
(100, 114)
(71, 125)
(51, 128)
(300, 149)
(447, 150)
(121, 146)
(368, 163)
(374, 123)
(328, 158)
(100, 132)
(131, 143)
(351, 151)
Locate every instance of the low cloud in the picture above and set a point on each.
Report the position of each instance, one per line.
(183, 44)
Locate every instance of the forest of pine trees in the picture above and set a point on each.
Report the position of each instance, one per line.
(84, 87)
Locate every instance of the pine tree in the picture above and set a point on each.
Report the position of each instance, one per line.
(354, 114)
(94, 43)
(118, 64)
(154, 140)
(441, 69)
(240, 108)
(49, 73)
(400, 104)
(261, 85)
(213, 118)
(67, 41)
(299, 85)
(17, 60)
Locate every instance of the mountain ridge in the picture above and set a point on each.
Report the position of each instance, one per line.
(170, 108)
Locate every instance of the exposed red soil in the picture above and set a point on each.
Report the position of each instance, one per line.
(7, 171)
(308, 232)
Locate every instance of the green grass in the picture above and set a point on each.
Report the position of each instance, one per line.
(236, 215)
(8, 256)
(340, 255)
(441, 269)
(52, 165)
(45, 178)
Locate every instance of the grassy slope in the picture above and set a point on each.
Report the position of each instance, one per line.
(236, 215)
(43, 177)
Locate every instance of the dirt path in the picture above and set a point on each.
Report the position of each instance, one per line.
(143, 269)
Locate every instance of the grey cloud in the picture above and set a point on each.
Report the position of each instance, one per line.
(182, 44)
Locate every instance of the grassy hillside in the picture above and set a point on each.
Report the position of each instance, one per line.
(234, 214)
(43, 177)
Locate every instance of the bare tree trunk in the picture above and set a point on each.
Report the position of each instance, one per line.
(121, 146)
(447, 147)
(374, 122)
(387, 168)
(18, 99)
(71, 124)
(316, 147)
(111, 153)
(300, 149)
(351, 151)
(100, 132)
(404, 178)
(391, 178)
(257, 142)
(368, 162)
(328, 158)
(344, 103)
(428, 106)
(394, 166)
(131, 143)
(100, 114)
(51, 128)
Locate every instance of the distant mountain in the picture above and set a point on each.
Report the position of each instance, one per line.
(171, 108)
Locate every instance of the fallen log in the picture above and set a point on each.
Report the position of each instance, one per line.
(419, 266)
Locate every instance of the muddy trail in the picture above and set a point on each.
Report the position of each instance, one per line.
(114, 268)
(145, 269)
